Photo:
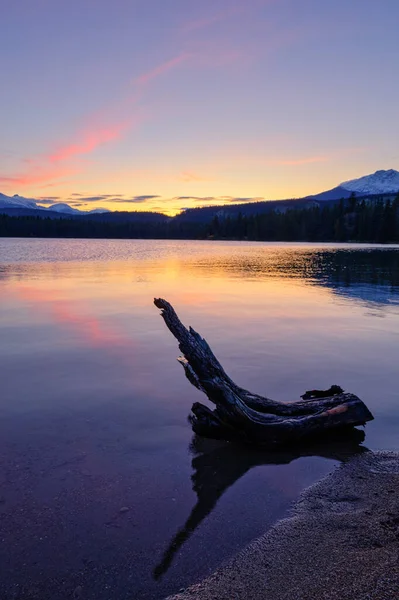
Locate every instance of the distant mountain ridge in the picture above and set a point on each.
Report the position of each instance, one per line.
(17, 201)
(382, 182)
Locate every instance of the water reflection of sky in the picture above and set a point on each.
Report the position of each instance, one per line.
(94, 405)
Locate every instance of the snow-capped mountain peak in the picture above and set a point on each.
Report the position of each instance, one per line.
(380, 182)
(27, 203)
(98, 211)
(61, 207)
(16, 202)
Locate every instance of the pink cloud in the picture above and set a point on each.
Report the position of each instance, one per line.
(58, 164)
(37, 174)
(88, 141)
(144, 79)
(46, 168)
(214, 55)
(62, 162)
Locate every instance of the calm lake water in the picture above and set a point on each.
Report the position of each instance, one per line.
(105, 493)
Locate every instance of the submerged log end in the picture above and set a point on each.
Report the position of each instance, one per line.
(206, 423)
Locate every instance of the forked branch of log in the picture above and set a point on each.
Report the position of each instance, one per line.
(248, 417)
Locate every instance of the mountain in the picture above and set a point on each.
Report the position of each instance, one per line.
(61, 207)
(12, 202)
(17, 202)
(205, 214)
(380, 182)
(377, 184)
(95, 211)
(18, 206)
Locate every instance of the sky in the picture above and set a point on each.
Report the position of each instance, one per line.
(167, 104)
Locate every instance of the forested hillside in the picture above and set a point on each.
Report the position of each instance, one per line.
(354, 219)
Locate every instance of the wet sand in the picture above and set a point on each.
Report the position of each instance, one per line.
(341, 543)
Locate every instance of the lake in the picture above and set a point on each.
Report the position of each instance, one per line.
(105, 492)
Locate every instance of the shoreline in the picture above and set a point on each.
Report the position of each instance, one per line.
(341, 542)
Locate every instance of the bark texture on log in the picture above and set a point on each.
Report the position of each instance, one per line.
(248, 417)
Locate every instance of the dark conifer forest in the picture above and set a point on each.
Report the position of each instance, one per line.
(352, 220)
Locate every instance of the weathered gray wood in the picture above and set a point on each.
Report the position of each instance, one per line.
(254, 419)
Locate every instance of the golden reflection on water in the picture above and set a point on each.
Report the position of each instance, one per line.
(90, 367)
(241, 285)
(87, 297)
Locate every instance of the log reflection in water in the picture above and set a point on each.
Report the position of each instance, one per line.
(217, 465)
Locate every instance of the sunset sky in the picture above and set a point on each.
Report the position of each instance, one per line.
(166, 104)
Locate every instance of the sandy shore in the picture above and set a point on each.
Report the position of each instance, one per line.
(341, 543)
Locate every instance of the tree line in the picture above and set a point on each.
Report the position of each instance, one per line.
(357, 220)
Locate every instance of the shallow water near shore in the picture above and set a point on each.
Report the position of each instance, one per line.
(105, 493)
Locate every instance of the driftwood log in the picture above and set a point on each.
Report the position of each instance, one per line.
(250, 418)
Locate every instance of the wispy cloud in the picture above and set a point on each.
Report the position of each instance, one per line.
(66, 157)
(98, 197)
(88, 140)
(48, 200)
(196, 198)
(142, 198)
(63, 161)
(161, 69)
(134, 200)
(111, 198)
(37, 174)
